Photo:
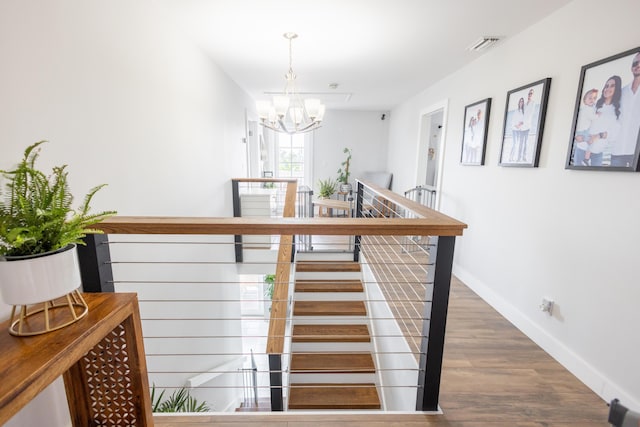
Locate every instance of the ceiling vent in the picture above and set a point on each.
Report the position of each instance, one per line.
(482, 43)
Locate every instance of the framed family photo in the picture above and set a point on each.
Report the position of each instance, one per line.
(606, 120)
(524, 117)
(474, 133)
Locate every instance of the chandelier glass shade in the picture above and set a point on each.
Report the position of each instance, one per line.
(290, 113)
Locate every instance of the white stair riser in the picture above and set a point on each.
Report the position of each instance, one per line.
(329, 296)
(329, 378)
(324, 256)
(328, 347)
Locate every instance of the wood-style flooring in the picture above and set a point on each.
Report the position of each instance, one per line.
(493, 376)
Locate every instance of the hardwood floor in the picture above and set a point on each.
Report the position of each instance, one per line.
(493, 376)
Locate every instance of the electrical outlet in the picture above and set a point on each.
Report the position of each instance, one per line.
(547, 306)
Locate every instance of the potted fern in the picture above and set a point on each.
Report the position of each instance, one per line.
(39, 231)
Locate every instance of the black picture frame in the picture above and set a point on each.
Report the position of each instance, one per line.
(523, 125)
(474, 132)
(605, 132)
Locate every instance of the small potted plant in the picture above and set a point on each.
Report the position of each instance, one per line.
(327, 188)
(269, 287)
(343, 172)
(39, 231)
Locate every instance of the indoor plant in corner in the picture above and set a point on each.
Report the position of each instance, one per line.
(343, 172)
(39, 231)
(326, 188)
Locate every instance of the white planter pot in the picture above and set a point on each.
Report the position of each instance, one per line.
(43, 278)
(345, 188)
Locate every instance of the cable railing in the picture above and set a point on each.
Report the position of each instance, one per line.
(190, 288)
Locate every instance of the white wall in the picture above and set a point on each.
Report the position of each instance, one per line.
(362, 131)
(125, 99)
(544, 232)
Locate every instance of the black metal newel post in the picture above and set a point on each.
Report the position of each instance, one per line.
(95, 264)
(356, 240)
(275, 379)
(235, 191)
(433, 329)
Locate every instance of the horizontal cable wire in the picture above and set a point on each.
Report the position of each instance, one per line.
(208, 301)
(290, 336)
(216, 282)
(209, 337)
(299, 385)
(189, 319)
(289, 371)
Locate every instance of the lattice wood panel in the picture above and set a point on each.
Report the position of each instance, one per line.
(111, 394)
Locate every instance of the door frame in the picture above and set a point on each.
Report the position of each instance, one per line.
(422, 148)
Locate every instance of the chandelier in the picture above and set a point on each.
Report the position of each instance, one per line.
(289, 113)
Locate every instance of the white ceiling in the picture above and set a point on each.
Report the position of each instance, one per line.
(380, 52)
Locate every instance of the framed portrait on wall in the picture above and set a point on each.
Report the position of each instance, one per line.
(524, 117)
(474, 132)
(605, 132)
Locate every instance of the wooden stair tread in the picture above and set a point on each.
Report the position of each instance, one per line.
(332, 363)
(329, 286)
(329, 308)
(327, 266)
(334, 396)
(331, 333)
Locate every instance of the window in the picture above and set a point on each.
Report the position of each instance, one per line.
(293, 156)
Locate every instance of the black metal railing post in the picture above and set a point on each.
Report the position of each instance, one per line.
(434, 325)
(235, 191)
(95, 264)
(275, 379)
(358, 214)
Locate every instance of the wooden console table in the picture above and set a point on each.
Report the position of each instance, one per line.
(101, 358)
(326, 206)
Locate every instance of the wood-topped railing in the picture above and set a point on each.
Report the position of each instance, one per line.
(277, 320)
(422, 221)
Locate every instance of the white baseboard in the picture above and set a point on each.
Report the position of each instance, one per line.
(575, 364)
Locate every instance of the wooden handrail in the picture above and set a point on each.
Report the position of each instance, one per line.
(278, 317)
(432, 224)
(415, 207)
(429, 223)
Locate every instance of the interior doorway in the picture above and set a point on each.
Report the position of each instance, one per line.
(430, 156)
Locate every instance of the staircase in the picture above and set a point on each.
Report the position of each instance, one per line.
(331, 364)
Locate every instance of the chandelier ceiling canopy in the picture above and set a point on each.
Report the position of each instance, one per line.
(289, 113)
